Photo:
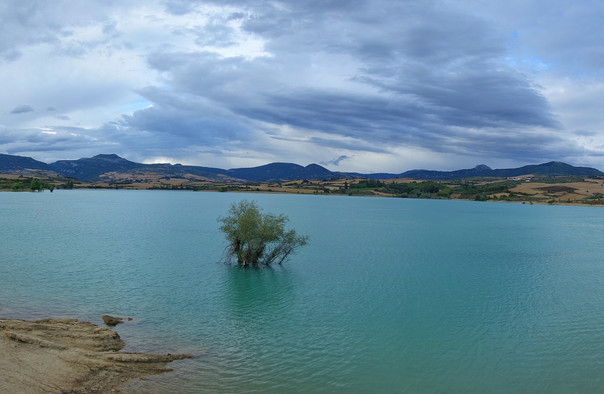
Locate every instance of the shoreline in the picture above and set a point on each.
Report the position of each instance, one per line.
(521, 202)
(70, 356)
(536, 189)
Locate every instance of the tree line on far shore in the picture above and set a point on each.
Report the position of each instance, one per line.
(24, 184)
(431, 189)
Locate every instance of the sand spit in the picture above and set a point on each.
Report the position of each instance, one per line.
(68, 356)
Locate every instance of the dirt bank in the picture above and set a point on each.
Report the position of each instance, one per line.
(68, 356)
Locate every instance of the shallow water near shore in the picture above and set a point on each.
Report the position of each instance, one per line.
(390, 295)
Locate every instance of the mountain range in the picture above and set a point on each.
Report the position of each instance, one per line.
(95, 168)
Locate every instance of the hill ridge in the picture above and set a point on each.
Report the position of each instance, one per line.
(94, 168)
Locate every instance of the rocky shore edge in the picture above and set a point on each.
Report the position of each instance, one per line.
(69, 356)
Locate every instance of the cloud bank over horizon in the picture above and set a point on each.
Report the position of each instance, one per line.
(363, 85)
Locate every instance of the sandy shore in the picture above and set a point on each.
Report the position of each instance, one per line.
(68, 356)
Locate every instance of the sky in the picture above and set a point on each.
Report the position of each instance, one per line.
(353, 85)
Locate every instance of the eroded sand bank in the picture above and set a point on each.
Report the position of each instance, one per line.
(70, 356)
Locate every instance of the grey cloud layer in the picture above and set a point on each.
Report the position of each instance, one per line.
(424, 75)
(20, 109)
(345, 76)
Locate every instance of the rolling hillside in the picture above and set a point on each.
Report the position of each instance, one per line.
(100, 166)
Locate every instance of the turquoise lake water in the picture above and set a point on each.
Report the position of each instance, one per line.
(390, 295)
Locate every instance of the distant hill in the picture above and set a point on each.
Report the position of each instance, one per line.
(10, 164)
(91, 169)
(478, 171)
(95, 168)
(282, 171)
(552, 168)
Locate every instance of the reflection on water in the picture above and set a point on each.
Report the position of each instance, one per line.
(253, 293)
(255, 301)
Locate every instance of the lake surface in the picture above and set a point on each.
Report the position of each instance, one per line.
(390, 295)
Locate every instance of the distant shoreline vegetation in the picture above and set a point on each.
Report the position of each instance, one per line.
(573, 189)
(26, 184)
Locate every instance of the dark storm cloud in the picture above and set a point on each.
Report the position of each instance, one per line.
(335, 162)
(222, 35)
(179, 7)
(20, 109)
(61, 139)
(375, 119)
(434, 78)
(185, 118)
(440, 78)
(475, 98)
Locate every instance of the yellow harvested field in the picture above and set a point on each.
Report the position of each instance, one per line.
(563, 192)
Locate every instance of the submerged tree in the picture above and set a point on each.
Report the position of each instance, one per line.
(255, 238)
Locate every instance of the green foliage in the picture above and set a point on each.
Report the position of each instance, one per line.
(193, 187)
(365, 184)
(481, 197)
(37, 185)
(476, 192)
(559, 179)
(446, 192)
(255, 238)
(23, 184)
(424, 189)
